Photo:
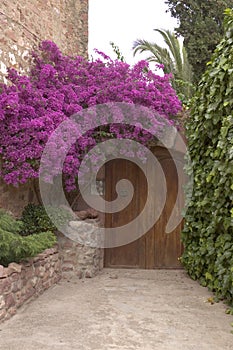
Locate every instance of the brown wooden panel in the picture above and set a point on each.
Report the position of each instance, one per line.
(156, 249)
(132, 254)
(168, 247)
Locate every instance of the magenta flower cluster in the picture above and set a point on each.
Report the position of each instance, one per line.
(33, 106)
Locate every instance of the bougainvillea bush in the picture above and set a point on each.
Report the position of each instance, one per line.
(208, 232)
(32, 107)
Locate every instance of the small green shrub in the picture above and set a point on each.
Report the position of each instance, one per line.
(14, 247)
(35, 219)
(9, 223)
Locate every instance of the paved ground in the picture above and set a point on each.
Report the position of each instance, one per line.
(121, 309)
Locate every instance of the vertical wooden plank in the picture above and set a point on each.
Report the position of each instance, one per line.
(159, 225)
(108, 217)
(168, 246)
(150, 236)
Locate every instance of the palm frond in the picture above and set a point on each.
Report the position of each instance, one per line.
(157, 53)
(173, 57)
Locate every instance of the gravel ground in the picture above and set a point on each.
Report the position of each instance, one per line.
(121, 309)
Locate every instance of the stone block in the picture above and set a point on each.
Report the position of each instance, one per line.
(47, 266)
(29, 273)
(14, 277)
(46, 276)
(50, 251)
(18, 298)
(67, 243)
(56, 278)
(11, 312)
(9, 301)
(67, 267)
(34, 281)
(2, 302)
(82, 215)
(57, 266)
(16, 286)
(41, 271)
(51, 272)
(55, 256)
(47, 284)
(89, 274)
(3, 314)
(5, 285)
(29, 293)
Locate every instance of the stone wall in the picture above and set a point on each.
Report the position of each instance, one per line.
(80, 255)
(23, 24)
(20, 282)
(14, 199)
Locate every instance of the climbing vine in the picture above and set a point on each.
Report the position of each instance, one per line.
(208, 231)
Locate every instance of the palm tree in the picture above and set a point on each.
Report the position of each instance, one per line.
(174, 58)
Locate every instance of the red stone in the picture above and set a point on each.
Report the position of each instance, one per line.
(14, 277)
(2, 314)
(55, 257)
(5, 285)
(12, 311)
(29, 293)
(47, 284)
(10, 301)
(50, 251)
(19, 298)
(16, 286)
(46, 276)
(87, 214)
(92, 213)
(29, 273)
(68, 243)
(82, 215)
(67, 268)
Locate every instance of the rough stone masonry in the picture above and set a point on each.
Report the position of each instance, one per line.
(23, 24)
(20, 282)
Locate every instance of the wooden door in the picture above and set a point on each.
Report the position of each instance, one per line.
(155, 249)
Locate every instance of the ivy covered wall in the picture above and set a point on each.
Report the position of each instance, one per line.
(208, 231)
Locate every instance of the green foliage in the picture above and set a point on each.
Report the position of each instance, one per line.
(35, 219)
(208, 231)
(8, 222)
(117, 51)
(174, 59)
(201, 25)
(61, 216)
(14, 247)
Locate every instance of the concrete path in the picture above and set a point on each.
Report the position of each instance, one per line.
(121, 309)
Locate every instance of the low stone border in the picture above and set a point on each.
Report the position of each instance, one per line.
(20, 282)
